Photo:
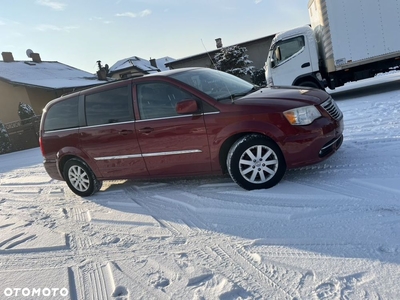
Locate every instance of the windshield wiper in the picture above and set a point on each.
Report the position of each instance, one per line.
(236, 95)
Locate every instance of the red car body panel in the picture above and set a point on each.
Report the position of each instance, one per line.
(192, 144)
(162, 141)
(115, 150)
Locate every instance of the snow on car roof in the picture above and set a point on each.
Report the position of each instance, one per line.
(140, 63)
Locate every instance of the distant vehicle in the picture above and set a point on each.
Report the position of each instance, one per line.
(347, 41)
(185, 122)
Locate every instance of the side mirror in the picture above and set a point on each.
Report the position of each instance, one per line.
(272, 64)
(187, 107)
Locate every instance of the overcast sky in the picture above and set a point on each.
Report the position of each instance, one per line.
(78, 33)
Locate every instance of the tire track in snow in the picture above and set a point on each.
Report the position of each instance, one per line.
(259, 279)
(237, 259)
(163, 209)
(79, 214)
(96, 281)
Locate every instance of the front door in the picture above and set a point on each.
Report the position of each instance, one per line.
(291, 59)
(171, 144)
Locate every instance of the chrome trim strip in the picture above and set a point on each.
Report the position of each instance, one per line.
(182, 116)
(58, 130)
(148, 154)
(171, 153)
(330, 144)
(91, 126)
(132, 121)
(167, 118)
(118, 157)
(108, 124)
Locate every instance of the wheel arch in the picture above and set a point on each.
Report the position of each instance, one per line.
(68, 153)
(228, 143)
(308, 78)
(80, 178)
(256, 162)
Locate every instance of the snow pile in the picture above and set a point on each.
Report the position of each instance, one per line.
(328, 231)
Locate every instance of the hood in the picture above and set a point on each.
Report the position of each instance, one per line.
(293, 96)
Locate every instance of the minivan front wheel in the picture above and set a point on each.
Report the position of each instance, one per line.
(255, 162)
(80, 178)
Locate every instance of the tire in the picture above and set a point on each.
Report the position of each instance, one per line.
(310, 84)
(99, 185)
(255, 162)
(80, 178)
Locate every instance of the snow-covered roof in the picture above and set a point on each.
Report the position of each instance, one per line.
(162, 61)
(141, 64)
(47, 74)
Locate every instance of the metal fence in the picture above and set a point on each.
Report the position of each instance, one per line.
(24, 134)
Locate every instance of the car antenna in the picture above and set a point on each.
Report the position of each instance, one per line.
(215, 67)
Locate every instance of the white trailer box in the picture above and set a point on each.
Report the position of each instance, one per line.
(355, 32)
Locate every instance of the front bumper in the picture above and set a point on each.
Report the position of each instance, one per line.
(331, 146)
(314, 143)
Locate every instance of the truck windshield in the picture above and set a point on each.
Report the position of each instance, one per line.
(218, 85)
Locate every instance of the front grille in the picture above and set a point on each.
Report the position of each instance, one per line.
(331, 107)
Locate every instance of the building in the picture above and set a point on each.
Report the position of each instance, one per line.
(36, 82)
(135, 67)
(257, 50)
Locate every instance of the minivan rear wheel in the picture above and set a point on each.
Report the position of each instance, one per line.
(255, 162)
(80, 178)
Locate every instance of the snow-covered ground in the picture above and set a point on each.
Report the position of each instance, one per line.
(328, 231)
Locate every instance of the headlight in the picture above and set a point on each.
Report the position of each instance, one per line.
(302, 115)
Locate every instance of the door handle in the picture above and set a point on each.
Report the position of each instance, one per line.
(146, 130)
(125, 132)
(305, 65)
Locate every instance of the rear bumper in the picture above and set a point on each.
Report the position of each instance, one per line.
(50, 166)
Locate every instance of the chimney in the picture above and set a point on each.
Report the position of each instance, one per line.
(7, 56)
(36, 57)
(218, 41)
(153, 63)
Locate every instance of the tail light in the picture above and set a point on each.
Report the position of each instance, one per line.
(41, 145)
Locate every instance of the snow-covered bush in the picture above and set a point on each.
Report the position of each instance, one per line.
(5, 144)
(25, 111)
(258, 77)
(233, 60)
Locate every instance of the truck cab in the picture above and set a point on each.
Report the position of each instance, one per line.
(293, 59)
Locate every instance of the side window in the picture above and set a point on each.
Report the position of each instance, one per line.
(158, 99)
(62, 115)
(287, 48)
(111, 106)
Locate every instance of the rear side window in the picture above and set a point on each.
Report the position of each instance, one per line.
(62, 115)
(111, 106)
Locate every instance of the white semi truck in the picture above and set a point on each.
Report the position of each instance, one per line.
(348, 40)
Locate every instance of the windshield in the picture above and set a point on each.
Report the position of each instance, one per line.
(216, 84)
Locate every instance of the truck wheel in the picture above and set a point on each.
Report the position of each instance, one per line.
(310, 84)
(255, 162)
(80, 178)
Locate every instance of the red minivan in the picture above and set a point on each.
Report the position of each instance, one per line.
(191, 121)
